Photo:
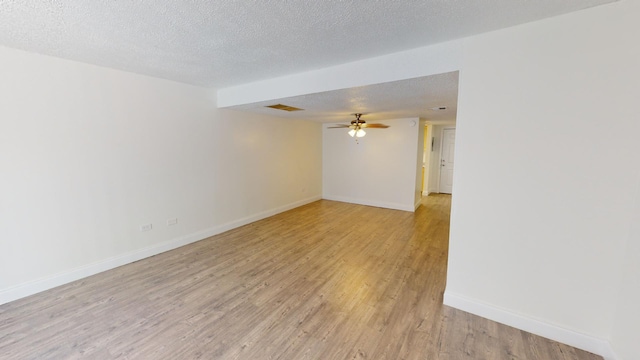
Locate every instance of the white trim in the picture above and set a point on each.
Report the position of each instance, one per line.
(381, 204)
(426, 193)
(265, 214)
(578, 340)
(49, 282)
(417, 204)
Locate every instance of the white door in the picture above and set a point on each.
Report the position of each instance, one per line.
(446, 160)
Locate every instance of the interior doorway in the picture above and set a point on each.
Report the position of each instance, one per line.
(445, 184)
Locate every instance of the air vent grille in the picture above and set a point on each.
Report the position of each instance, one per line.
(284, 107)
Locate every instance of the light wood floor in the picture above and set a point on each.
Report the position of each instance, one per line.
(325, 281)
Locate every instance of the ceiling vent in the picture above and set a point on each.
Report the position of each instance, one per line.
(438, 108)
(284, 107)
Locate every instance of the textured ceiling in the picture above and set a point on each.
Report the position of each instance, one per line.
(393, 100)
(219, 43)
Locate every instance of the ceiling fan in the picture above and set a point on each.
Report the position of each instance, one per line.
(357, 126)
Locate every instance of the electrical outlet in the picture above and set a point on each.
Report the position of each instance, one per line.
(172, 221)
(146, 227)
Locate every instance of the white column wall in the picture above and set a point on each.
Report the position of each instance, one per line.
(546, 165)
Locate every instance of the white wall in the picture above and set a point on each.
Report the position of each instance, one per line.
(379, 170)
(546, 162)
(88, 154)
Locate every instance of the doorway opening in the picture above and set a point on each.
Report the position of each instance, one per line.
(439, 149)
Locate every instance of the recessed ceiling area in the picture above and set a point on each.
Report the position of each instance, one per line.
(392, 100)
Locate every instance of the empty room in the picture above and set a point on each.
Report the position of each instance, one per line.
(274, 180)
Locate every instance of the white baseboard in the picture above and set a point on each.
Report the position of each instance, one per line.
(263, 215)
(425, 193)
(578, 340)
(49, 282)
(381, 204)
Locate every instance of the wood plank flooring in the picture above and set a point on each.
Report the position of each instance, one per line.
(328, 280)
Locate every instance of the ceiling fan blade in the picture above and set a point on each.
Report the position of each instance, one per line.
(338, 126)
(374, 126)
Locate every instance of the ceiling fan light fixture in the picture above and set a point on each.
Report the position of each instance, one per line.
(357, 127)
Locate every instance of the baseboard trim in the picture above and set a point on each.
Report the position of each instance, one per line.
(578, 340)
(417, 204)
(263, 215)
(65, 277)
(380, 204)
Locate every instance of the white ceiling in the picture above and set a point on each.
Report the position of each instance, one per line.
(221, 43)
